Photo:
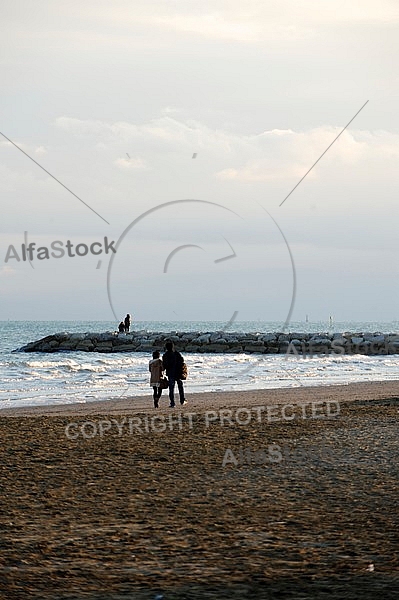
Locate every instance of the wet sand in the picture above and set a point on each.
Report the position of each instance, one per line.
(211, 400)
(134, 513)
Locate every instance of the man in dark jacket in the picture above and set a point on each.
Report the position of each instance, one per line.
(173, 362)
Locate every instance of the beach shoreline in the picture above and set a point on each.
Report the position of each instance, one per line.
(202, 401)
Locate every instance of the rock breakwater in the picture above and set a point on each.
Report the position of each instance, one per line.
(310, 344)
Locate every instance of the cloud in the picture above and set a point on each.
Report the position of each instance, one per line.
(164, 131)
(277, 155)
(251, 22)
(211, 25)
(27, 148)
(169, 110)
(131, 163)
(271, 155)
(40, 150)
(7, 271)
(261, 171)
(16, 142)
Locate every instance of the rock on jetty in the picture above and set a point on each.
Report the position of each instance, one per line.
(312, 344)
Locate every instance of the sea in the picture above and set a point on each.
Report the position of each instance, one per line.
(37, 379)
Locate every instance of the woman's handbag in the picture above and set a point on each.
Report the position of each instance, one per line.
(184, 372)
(164, 383)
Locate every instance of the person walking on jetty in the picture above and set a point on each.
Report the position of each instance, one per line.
(173, 364)
(156, 369)
(127, 322)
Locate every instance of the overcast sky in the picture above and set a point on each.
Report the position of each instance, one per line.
(135, 105)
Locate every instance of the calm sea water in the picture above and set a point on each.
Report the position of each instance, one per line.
(61, 378)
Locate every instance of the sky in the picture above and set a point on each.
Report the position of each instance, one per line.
(179, 129)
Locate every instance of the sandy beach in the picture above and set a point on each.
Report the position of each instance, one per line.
(293, 494)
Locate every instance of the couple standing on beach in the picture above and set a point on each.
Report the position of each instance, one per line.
(124, 326)
(173, 364)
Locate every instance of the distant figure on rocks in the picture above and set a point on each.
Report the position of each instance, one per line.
(173, 363)
(128, 320)
(121, 327)
(156, 369)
